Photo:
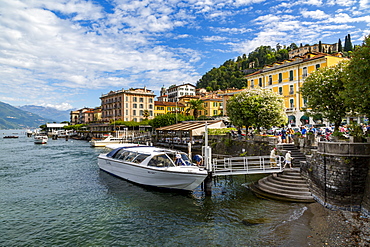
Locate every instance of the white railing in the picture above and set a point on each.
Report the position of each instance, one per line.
(246, 165)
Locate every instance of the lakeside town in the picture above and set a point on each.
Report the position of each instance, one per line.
(331, 153)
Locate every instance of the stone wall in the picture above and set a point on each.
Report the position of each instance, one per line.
(228, 146)
(338, 175)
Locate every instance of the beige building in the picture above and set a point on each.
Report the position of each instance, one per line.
(325, 48)
(83, 116)
(128, 105)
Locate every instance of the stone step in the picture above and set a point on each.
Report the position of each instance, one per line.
(292, 172)
(296, 181)
(275, 193)
(285, 183)
(281, 191)
(286, 186)
(255, 188)
(292, 177)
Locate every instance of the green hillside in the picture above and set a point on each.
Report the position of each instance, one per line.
(14, 118)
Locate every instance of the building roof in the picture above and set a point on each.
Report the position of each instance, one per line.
(165, 103)
(296, 60)
(196, 128)
(232, 93)
(175, 86)
(55, 125)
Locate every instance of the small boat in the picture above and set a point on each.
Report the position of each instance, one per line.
(40, 139)
(107, 141)
(11, 137)
(153, 166)
(122, 145)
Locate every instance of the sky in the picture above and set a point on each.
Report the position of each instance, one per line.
(67, 53)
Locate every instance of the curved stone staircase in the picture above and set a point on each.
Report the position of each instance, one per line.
(286, 186)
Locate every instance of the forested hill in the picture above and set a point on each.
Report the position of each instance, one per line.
(232, 72)
(14, 118)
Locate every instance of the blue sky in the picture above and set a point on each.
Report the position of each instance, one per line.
(66, 53)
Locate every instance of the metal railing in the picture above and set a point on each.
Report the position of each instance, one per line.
(247, 165)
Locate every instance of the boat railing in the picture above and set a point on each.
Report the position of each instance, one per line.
(246, 165)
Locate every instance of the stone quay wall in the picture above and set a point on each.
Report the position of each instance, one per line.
(338, 174)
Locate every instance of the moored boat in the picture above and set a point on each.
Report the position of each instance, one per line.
(40, 139)
(10, 137)
(122, 145)
(107, 141)
(153, 166)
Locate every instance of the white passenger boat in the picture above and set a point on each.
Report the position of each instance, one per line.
(40, 139)
(153, 166)
(107, 141)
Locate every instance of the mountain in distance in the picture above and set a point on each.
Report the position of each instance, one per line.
(14, 118)
(48, 112)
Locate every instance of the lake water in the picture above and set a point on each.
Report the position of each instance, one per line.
(55, 195)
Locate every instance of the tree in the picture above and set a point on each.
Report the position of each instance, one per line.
(196, 106)
(358, 85)
(146, 114)
(320, 46)
(340, 48)
(256, 107)
(348, 43)
(323, 90)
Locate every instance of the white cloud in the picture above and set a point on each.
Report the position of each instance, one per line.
(364, 4)
(60, 107)
(213, 38)
(53, 51)
(317, 14)
(233, 30)
(345, 3)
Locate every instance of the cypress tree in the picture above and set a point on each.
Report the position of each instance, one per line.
(350, 47)
(340, 48)
(320, 46)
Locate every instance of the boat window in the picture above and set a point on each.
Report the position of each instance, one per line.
(116, 153)
(123, 155)
(130, 156)
(172, 155)
(186, 159)
(140, 158)
(161, 161)
(183, 161)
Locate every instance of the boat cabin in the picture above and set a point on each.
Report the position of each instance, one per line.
(159, 157)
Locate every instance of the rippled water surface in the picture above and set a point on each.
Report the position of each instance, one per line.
(55, 195)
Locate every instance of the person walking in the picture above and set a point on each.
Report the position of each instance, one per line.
(288, 160)
(273, 158)
(283, 135)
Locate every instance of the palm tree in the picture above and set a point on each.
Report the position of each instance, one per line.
(146, 114)
(196, 106)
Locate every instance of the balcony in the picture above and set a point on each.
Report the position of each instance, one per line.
(290, 109)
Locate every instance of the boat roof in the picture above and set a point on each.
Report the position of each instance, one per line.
(151, 150)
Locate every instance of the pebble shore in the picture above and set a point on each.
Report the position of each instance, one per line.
(337, 228)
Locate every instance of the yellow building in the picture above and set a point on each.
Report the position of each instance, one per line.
(286, 78)
(212, 107)
(163, 107)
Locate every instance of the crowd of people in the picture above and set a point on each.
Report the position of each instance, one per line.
(323, 133)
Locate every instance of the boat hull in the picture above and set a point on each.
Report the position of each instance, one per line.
(181, 178)
(41, 140)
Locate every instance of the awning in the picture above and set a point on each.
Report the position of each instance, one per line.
(195, 127)
(304, 117)
(291, 117)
